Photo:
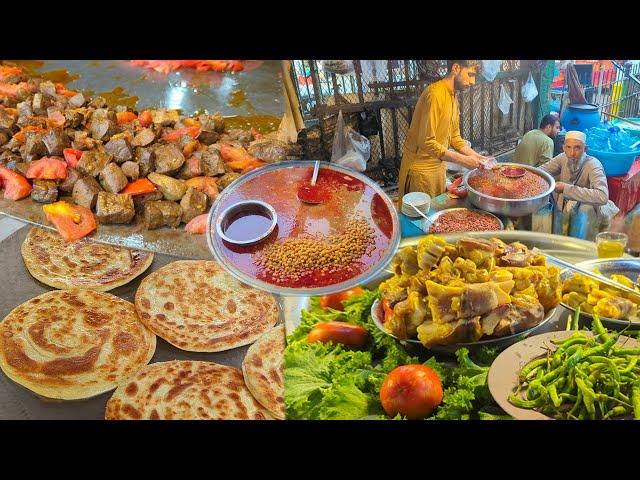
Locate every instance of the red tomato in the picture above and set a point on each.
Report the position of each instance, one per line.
(335, 299)
(47, 168)
(72, 156)
(347, 334)
(15, 185)
(125, 117)
(145, 118)
(413, 391)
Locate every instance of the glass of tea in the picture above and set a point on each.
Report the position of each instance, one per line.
(611, 244)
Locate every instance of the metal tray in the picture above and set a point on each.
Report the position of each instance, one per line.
(569, 249)
(629, 267)
(435, 216)
(18, 286)
(259, 83)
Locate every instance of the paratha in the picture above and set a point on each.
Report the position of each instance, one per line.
(263, 369)
(72, 344)
(185, 390)
(197, 306)
(80, 264)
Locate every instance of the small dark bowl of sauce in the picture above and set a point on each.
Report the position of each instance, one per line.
(513, 172)
(246, 223)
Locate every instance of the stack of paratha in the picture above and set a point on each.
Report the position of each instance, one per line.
(83, 264)
(199, 307)
(263, 370)
(72, 344)
(185, 390)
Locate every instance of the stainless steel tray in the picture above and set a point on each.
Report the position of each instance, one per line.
(434, 217)
(18, 286)
(629, 267)
(567, 248)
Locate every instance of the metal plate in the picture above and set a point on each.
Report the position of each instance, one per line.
(18, 286)
(433, 218)
(629, 267)
(493, 342)
(567, 248)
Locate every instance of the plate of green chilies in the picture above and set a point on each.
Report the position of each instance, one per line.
(569, 375)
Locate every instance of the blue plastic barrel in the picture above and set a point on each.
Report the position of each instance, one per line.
(580, 116)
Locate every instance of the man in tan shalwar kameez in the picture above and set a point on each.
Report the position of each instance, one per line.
(435, 127)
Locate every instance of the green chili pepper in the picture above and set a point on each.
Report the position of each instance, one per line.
(598, 328)
(530, 367)
(577, 403)
(615, 412)
(629, 367)
(588, 397)
(635, 399)
(553, 394)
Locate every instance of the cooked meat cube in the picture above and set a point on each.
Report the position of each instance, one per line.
(139, 201)
(82, 141)
(74, 118)
(18, 166)
(143, 138)
(24, 109)
(68, 183)
(77, 100)
(98, 102)
(193, 204)
(168, 159)
(269, 150)
(211, 123)
(33, 147)
(146, 160)
(212, 162)
(114, 208)
(6, 119)
(226, 179)
(7, 156)
(171, 188)
(131, 170)
(119, 149)
(112, 178)
(4, 137)
(40, 103)
(48, 88)
(160, 213)
(93, 161)
(44, 191)
(240, 135)
(85, 191)
(208, 138)
(193, 167)
(103, 124)
(55, 141)
(165, 118)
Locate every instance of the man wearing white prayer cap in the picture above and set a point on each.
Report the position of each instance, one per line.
(581, 191)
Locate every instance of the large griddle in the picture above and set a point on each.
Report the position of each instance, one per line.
(18, 286)
(260, 85)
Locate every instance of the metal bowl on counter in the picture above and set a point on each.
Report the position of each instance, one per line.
(629, 267)
(508, 207)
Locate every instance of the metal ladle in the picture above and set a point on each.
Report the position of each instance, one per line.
(305, 193)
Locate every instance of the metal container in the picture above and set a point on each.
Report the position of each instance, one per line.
(629, 267)
(507, 207)
(249, 206)
(433, 218)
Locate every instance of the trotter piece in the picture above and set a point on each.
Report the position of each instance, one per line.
(197, 306)
(263, 371)
(73, 344)
(82, 264)
(185, 390)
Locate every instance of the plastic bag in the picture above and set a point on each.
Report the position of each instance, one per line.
(341, 67)
(504, 103)
(490, 69)
(529, 90)
(350, 149)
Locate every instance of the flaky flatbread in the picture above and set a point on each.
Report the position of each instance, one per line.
(72, 344)
(263, 370)
(80, 264)
(185, 390)
(199, 307)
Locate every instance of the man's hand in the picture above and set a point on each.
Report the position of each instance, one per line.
(560, 187)
(471, 162)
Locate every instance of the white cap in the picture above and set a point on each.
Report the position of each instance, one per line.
(576, 135)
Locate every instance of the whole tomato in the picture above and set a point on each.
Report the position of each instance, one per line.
(413, 391)
(347, 334)
(335, 299)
